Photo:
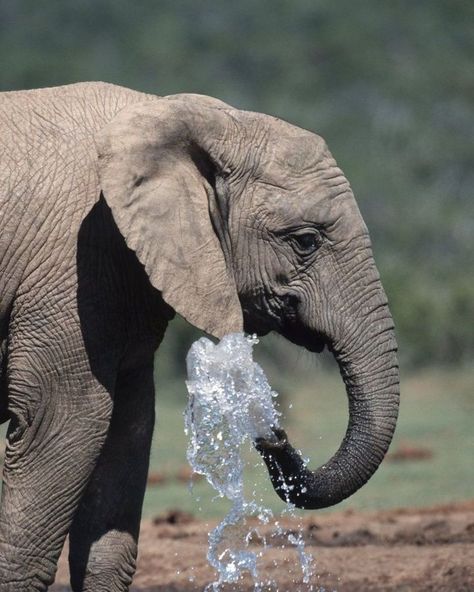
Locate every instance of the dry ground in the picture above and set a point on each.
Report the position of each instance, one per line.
(410, 550)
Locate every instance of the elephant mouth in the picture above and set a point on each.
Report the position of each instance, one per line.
(263, 321)
(312, 341)
(316, 346)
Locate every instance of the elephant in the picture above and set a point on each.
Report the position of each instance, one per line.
(118, 210)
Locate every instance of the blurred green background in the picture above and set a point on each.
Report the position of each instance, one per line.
(390, 86)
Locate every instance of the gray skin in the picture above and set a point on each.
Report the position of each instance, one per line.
(118, 209)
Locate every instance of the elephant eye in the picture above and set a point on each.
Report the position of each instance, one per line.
(307, 242)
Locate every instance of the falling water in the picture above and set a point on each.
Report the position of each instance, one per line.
(231, 403)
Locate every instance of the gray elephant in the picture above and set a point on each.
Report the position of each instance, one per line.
(118, 209)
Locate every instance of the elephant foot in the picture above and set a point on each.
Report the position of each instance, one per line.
(107, 565)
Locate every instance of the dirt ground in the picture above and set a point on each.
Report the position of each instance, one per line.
(405, 550)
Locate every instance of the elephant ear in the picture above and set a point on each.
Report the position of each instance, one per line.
(157, 175)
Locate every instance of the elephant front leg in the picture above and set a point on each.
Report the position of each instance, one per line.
(104, 535)
(53, 443)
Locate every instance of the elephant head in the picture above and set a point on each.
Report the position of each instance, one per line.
(244, 221)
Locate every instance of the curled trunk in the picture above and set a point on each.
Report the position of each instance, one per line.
(370, 374)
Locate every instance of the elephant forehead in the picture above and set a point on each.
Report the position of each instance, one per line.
(295, 151)
(308, 170)
(286, 209)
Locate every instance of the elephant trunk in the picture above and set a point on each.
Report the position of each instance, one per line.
(369, 368)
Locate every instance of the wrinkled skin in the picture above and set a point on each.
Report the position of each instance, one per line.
(118, 209)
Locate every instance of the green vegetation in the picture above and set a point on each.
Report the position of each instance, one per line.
(388, 84)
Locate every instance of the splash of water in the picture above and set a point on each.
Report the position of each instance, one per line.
(231, 403)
